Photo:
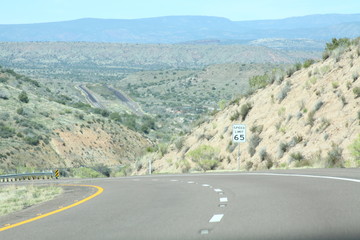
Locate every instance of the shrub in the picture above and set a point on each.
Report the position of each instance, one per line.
(290, 71)
(32, 140)
(308, 63)
(256, 128)
(295, 140)
(4, 94)
(84, 172)
(103, 169)
(162, 148)
(263, 154)
(356, 91)
(355, 149)
(296, 156)
(184, 165)
(318, 105)
(335, 43)
(283, 147)
(335, 85)
(244, 110)
(283, 92)
(355, 76)
(235, 116)
(334, 157)
(253, 143)
(206, 157)
(23, 97)
(179, 143)
(310, 119)
(5, 131)
(259, 81)
(298, 66)
(248, 165)
(325, 55)
(3, 80)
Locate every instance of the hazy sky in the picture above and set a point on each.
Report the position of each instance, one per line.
(33, 11)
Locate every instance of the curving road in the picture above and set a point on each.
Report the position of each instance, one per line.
(295, 204)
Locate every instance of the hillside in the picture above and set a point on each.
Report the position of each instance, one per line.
(309, 118)
(42, 129)
(86, 61)
(175, 29)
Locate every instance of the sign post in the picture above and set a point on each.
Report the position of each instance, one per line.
(239, 136)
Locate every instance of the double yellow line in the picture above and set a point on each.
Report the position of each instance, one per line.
(99, 191)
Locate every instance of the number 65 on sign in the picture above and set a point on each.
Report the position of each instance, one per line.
(239, 133)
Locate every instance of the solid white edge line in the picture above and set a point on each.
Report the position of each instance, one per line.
(303, 175)
(216, 218)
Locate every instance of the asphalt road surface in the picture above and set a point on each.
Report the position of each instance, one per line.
(270, 205)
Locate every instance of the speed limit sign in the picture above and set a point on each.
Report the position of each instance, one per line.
(239, 133)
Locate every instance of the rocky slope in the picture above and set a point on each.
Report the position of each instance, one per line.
(306, 120)
(41, 129)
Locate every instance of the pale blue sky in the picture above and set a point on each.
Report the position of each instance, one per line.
(34, 11)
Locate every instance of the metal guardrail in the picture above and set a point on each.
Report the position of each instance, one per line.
(28, 176)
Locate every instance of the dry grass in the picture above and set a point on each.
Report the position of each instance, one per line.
(15, 198)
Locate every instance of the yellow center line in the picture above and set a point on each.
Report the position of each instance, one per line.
(99, 191)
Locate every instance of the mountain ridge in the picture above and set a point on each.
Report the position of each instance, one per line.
(175, 29)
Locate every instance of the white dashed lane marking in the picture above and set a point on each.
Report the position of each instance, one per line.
(224, 199)
(216, 218)
(217, 190)
(190, 182)
(205, 185)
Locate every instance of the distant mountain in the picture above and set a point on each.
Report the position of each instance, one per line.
(176, 29)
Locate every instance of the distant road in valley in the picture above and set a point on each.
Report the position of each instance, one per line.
(133, 106)
(91, 98)
(284, 204)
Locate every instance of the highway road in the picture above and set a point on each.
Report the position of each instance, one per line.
(289, 204)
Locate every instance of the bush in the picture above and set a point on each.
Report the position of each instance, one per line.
(326, 55)
(355, 76)
(84, 172)
(162, 148)
(206, 157)
(235, 116)
(248, 165)
(283, 92)
(335, 43)
(283, 147)
(4, 94)
(259, 81)
(244, 110)
(5, 131)
(253, 143)
(296, 156)
(32, 140)
(103, 169)
(318, 105)
(290, 71)
(310, 119)
(23, 97)
(356, 91)
(263, 154)
(179, 143)
(308, 63)
(355, 149)
(334, 157)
